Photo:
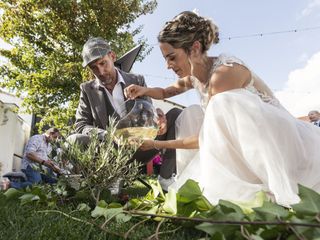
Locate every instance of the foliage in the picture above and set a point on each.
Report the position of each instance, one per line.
(189, 208)
(47, 37)
(38, 221)
(101, 164)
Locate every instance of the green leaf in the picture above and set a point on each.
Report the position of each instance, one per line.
(310, 202)
(170, 202)
(156, 190)
(28, 198)
(102, 204)
(247, 206)
(271, 211)
(220, 231)
(134, 203)
(153, 210)
(98, 212)
(13, 193)
(115, 205)
(83, 207)
(228, 207)
(122, 218)
(112, 212)
(189, 192)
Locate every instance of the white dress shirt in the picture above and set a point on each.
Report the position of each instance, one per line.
(117, 97)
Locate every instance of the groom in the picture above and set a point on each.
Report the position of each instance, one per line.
(102, 96)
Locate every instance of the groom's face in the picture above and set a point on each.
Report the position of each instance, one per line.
(176, 59)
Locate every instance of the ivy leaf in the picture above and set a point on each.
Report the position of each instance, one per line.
(220, 231)
(115, 205)
(309, 204)
(307, 232)
(170, 202)
(12, 193)
(270, 232)
(98, 212)
(189, 192)
(228, 231)
(258, 200)
(112, 212)
(228, 207)
(202, 204)
(28, 197)
(102, 204)
(153, 210)
(122, 218)
(270, 211)
(156, 190)
(134, 203)
(83, 207)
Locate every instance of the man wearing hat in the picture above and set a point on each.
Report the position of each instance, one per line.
(102, 96)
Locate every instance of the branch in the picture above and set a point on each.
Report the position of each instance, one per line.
(133, 227)
(225, 222)
(157, 230)
(170, 231)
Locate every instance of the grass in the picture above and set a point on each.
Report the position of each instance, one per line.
(28, 222)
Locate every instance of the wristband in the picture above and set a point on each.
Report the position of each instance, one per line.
(42, 162)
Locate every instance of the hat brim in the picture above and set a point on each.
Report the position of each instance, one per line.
(101, 54)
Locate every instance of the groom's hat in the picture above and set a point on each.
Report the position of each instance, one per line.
(93, 49)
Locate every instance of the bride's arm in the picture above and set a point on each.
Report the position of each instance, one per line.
(191, 142)
(133, 91)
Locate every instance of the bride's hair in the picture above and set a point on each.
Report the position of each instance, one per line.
(186, 28)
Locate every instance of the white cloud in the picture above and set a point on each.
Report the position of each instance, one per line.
(303, 58)
(302, 91)
(311, 7)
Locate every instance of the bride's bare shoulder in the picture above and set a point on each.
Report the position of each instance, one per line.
(225, 78)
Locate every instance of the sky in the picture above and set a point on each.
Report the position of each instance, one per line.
(288, 62)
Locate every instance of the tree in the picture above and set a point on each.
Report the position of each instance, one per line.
(47, 38)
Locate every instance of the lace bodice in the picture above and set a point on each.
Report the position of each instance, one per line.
(229, 61)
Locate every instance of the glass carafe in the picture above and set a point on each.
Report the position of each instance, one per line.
(138, 120)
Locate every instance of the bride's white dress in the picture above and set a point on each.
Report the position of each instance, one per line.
(248, 143)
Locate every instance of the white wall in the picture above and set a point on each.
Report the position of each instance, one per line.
(13, 135)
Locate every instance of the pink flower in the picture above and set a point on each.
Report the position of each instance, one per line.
(157, 160)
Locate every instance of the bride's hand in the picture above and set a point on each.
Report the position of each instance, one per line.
(147, 145)
(133, 91)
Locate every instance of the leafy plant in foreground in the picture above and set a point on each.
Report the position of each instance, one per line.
(101, 164)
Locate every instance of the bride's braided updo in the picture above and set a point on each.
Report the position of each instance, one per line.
(186, 28)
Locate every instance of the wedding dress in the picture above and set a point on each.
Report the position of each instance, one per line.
(187, 124)
(249, 143)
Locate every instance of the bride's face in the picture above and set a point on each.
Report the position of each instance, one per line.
(176, 59)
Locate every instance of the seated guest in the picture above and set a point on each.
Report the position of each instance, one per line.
(36, 164)
(314, 117)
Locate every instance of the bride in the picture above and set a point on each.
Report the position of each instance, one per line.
(248, 142)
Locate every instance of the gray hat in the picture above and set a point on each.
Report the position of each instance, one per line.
(94, 49)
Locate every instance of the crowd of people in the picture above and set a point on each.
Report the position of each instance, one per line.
(238, 141)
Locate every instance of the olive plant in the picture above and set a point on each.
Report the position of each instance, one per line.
(102, 163)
